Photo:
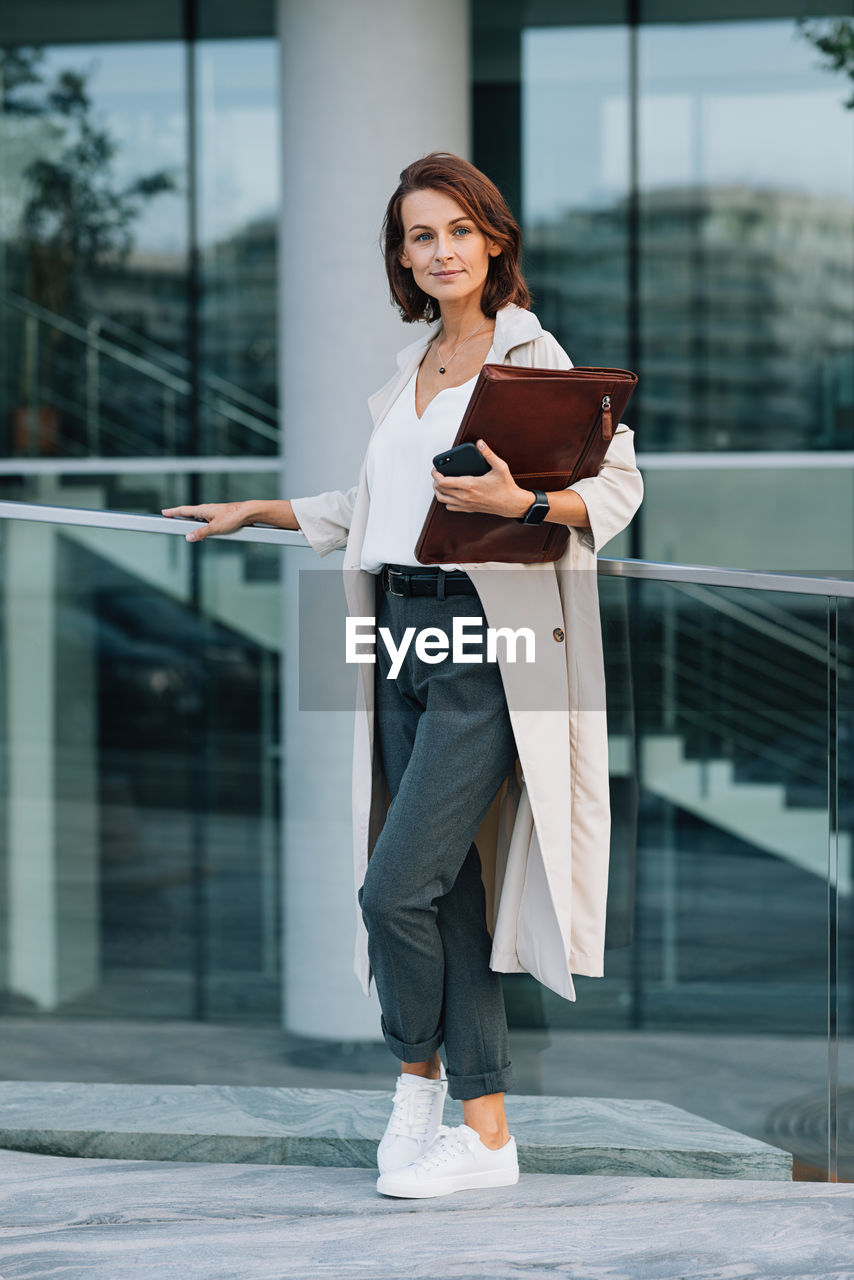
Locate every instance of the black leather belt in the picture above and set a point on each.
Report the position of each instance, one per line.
(404, 580)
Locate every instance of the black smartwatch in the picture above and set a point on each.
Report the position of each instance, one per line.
(538, 509)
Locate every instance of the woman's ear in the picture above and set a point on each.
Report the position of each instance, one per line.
(403, 258)
(494, 249)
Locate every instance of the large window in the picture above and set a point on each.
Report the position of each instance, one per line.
(138, 369)
(687, 192)
(138, 236)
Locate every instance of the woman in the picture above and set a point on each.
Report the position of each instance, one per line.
(443, 738)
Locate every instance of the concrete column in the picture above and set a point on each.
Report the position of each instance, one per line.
(366, 88)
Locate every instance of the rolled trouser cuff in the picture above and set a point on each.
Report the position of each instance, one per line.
(466, 1087)
(409, 1052)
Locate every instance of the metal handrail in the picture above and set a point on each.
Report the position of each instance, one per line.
(184, 364)
(701, 719)
(651, 570)
(754, 660)
(103, 345)
(746, 460)
(130, 523)
(800, 633)
(716, 576)
(220, 391)
(744, 705)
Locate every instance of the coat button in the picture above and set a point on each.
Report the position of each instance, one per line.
(557, 633)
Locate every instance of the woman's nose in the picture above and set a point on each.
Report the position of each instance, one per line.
(443, 248)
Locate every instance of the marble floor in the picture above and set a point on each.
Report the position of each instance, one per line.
(124, 1220)
(236, 1124)
(767, 1086)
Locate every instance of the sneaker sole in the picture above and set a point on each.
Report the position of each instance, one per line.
(446, 1186)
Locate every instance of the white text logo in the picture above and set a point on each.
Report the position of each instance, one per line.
(432, 643)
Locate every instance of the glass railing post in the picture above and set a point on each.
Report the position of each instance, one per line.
(636, 976)
(832, 886)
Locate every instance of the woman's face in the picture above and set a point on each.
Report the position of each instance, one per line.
(448, 254)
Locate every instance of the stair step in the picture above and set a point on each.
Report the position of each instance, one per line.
(755, 811)
(341, 1128)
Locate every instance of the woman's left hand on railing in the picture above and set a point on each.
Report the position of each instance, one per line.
(219, 517)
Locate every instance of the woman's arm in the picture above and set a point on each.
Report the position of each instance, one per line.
(323, 519)
(613, 496)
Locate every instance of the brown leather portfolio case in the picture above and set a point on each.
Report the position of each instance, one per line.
(552, 427)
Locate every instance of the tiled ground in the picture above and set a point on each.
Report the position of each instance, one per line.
(112, 1220)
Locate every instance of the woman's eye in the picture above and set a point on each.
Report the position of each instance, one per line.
(424, 235)
(465, 230)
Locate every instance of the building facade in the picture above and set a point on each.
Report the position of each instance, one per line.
(189, 223)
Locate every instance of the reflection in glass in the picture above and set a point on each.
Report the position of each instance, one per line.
(746, 252)
(140, 492)
(745, 196)
(238, 199)
(140, 848)
(575, 181)
(732, 705)
(93, 228)
(113, 342)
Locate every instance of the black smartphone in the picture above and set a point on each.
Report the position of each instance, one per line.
(461, 460)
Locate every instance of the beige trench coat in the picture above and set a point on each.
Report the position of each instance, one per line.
(545, 843)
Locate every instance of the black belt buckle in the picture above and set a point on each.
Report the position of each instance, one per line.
(394, 573)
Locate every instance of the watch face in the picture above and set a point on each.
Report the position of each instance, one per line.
(538, 511)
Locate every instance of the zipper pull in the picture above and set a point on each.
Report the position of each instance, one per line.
(607, 430)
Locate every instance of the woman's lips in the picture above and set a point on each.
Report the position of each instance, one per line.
(446, 275)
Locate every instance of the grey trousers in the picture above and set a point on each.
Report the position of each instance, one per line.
(447, 745)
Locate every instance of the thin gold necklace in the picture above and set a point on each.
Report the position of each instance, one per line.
(443, 364)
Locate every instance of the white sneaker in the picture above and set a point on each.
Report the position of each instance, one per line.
(457, 1161)
(415, 1119)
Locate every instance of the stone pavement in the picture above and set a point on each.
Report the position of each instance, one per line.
(342, 1128)
(79, 1219)
(771, 1087)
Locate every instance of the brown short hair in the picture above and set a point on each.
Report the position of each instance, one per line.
(487, 208)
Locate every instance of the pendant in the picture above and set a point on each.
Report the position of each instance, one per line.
(442, 370)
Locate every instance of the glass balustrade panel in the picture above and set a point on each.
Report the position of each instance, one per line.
(722, 722)
(141, 827)
(140, 796)
(841, 968)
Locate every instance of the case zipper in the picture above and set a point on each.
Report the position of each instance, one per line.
(607, 431)
(606, 418)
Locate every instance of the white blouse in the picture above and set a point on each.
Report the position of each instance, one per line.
(400, 458)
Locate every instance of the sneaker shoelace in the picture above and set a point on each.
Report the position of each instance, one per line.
(410, 1117)
(449, 1144)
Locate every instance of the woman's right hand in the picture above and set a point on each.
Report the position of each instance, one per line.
(220, 517)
